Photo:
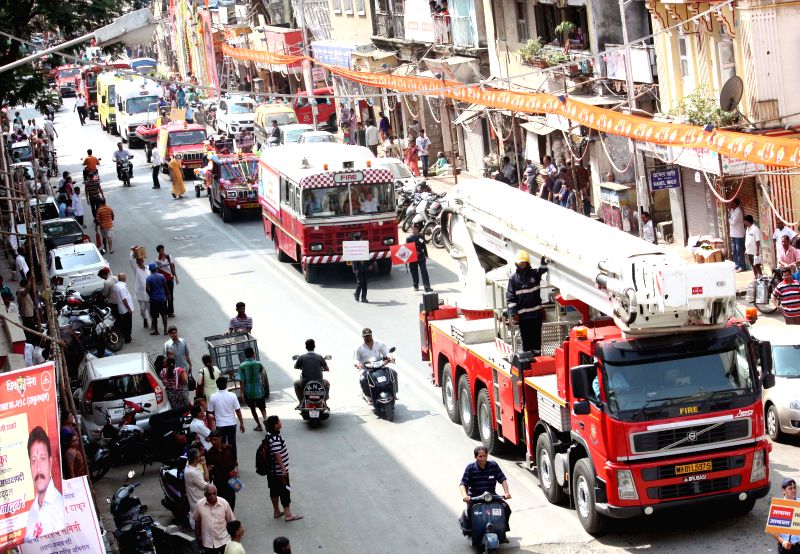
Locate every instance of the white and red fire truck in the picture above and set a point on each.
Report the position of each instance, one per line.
(647, 393)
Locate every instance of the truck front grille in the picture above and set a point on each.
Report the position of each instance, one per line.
(683, 437)
(192, 156)
(695, 488)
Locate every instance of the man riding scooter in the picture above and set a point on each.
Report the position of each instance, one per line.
(312, 366)
(120, 157)
(372, 350)
(482, 476)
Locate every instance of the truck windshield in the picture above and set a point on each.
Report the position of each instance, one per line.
(239, 171)
(786, 361)
(352, 200)
(138, 104)
(183, 138)
(692, 379)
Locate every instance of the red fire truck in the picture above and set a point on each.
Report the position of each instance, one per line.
(646, 394)
(67, 80)
(315, 197)
(88, 87)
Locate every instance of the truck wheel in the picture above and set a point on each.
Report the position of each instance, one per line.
(165, 169)
(283, 257)
(449, 395)
(546, 468)
(486, 430)
(773, 424)
(214, 208)
(310, 272)
(102, 126)
(742, 508)
(465, 408)
(384, 267)
(583, 493)
(227, 213)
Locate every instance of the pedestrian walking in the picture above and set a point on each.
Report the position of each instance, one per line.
(167, 268)
(109, 289)
(156, 160)
(372, 136)
(23, 270)
(139, 272)
(788, 542)
(281, 545)
(787, 294)
(385, 126)
(124, 321)
(195, 479)
(423, 145)
(94, 195)
(225, 407)
(80, 107)
(241, 322)
(211, 516)
(361, 271)
(175, 379)
(361, 134)
(207, 380)
(236, 531)
(421, 265)
(752, 245)
(736, 226)
(252, 386)
(27, 313)
(176, 174)
(156, 288)
(221, 460)
(278, 477)
(177, 347)
(104, 220)
(77, 206)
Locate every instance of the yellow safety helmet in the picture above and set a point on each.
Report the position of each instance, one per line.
(523, 256)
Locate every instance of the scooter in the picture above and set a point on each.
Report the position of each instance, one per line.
(314, 407)
(174, 488)
(381, 386)
(134, 529)
(487, 522)
(125, 170)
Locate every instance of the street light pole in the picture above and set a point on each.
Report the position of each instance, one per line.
(307, 65)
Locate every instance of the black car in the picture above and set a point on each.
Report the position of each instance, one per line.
(63, 232)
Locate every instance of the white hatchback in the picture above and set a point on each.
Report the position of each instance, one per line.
(76, 266)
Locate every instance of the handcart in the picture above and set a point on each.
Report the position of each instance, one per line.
(227, 352)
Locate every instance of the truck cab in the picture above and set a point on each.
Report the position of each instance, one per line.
(67, 80)
(236, 114)
(89, 88)
(134, 95)
(326, 109)
(232, 184)
(184, 139)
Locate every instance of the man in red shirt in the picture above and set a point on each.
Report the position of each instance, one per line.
(787, 293)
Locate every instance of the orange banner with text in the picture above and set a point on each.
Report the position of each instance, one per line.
(759, 149)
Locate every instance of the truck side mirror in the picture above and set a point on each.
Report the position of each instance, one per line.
(579, 381)
(765, 356)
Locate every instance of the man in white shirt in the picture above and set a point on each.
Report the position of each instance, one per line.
(372, 137)
(50, 130)
(80, 107)
(120, 157)
(195, 478)
(752, 245)
(226, 409)
(371, 350)
(21, 264)
(648, 232)
(423, 145)
(124, 307)
(156, 157)
(370, 204)
(198, 426)
(780, 230)
(77, 206)
(47, 512)
(736, 222)
(140, 274)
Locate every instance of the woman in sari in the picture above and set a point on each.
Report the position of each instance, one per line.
(412, 158)
(176, 173)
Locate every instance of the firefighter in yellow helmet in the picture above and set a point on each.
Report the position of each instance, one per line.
(525, 302)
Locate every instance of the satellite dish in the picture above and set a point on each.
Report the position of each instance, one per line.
(731, 94)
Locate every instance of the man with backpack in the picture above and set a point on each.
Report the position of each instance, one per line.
(272, 460)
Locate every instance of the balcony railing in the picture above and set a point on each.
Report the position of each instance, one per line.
(454, 29)
(390, 24)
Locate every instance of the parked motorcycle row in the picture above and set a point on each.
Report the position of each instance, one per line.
(419, 205)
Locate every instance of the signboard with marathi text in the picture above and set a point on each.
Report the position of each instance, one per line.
(665, 178)
(31, 504)
(784, 517)
(355, 250)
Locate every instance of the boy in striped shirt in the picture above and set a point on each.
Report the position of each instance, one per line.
(278, 478)
(787, 293)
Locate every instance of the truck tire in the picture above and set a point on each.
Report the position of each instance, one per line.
(214, 208)
(449, 395)
(283, 257)
(486, 428)
(583, 483)
(545, 468)
(227, 213)
(465, 408)
(773, 424)
(384, 267)
(310, 272)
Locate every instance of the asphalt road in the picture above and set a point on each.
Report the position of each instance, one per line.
(362, 484)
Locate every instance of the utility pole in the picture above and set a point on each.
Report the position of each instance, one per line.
(309, 81)
(637, 174)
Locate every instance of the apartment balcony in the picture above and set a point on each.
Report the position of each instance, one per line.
(454, 30)
(390, 24)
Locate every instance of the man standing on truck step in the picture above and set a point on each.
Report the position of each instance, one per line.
(479, 477)
(525, 301)
(788, 542)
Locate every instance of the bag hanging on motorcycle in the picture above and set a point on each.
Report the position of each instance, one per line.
(263, 459)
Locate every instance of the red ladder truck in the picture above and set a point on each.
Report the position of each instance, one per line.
(647, 393)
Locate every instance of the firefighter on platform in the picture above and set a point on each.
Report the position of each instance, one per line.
(525, 302)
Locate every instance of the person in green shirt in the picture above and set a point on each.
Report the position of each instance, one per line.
(252, 388)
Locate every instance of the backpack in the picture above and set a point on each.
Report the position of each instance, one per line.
(263, 458)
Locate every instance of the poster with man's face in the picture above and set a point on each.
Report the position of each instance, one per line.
(31, 503)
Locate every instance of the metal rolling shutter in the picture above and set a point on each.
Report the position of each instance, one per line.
(474, 132)
(700, 204)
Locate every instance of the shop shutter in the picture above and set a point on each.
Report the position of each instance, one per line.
(474, 133)
(700, 204)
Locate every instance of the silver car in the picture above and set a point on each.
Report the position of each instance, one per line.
(782, 402)
(106, 382)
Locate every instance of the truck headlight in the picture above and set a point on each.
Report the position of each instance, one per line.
(316, 247)
(626, 488)
(794, 405)
(759, 470)
(388, 242)
(230, 194)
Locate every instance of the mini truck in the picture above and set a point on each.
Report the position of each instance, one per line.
(646, 394)
(134, 95)
(232, 184)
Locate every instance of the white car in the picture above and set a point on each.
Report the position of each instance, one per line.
(291, 132)
(782, 402)
(76, 266)
(236, 114)
(400, 172)
(316, 136)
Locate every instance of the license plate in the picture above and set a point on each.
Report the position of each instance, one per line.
(251, 205)
(313, 413)
(693, 468)
(81, 278)
(116, 413)
(497, 511)
(381, 379)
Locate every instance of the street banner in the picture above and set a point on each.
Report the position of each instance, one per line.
(31, 504)
(355, 250)
(402, 254)
(784, 517)
(82, 531)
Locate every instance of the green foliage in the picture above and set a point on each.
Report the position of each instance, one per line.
(23, 18)
(564, 28)
(702, 108)
(533, 50)
(557, 57)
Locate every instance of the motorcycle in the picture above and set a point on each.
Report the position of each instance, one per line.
(134, 529)
(125, 441)
(93, 324)
(487, 525)
(125, 171)
(174, 488)
(314, 406)
(381, 386)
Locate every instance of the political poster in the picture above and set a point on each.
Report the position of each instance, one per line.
(784, 517)
(403, 254)
(31, 503)
(82, 530)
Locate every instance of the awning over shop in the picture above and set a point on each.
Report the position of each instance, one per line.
(455, 68)
(470, 113)
(538, 127)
